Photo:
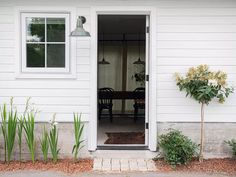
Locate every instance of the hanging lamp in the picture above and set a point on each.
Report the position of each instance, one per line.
(139, 61)
(103, 61)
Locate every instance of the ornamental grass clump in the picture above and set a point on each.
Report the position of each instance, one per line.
(19, 134)
(204, 85)
(29, 127)
(9, 125)
(78, 130)
(53, 139)
(44, 144)
(177, 149)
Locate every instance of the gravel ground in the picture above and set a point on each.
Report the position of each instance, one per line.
(54, 174)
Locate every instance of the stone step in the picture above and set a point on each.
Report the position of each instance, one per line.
(123, 165)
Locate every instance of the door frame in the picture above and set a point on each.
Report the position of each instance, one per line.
(152, 106)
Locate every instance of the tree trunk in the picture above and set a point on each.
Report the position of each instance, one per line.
(202, 133)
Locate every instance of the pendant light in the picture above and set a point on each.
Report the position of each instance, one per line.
(139, 61)
(103, 61)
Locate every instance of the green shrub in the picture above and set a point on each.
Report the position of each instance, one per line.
(177, 149)
(44, 144)
(78, 129)
(232, 144)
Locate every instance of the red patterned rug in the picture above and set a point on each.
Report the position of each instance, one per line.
(125, 138)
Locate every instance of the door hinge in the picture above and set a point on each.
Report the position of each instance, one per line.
(147, 77)
(146, 125)
(147, 29)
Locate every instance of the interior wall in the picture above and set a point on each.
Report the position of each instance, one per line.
(111, 75)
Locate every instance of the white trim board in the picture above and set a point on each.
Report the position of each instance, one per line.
(124, 10)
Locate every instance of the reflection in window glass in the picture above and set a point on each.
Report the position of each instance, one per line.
(56, 55)
(55, 30)
(35, 55)
(35, 29)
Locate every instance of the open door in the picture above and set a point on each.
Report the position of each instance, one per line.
(123, 55)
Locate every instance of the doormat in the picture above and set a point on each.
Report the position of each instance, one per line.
(125, 138)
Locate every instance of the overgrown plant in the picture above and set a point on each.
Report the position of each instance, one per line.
(232, 144)
(44, 144)
(204, 85)
(177, 149)
(19, 133)
(53, 140)
(9, 124)
(29, 125)
(78, 130)
(20, 127)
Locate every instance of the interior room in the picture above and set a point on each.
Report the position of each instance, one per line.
(121, 80)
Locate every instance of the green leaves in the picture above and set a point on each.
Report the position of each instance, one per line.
(28, 126)
(232, 144)
(177, 148)
(9, 125)
(53, 143)
(19, 133)
(204, 85)
(78, 129)
(44, 144)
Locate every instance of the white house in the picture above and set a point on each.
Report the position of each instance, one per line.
(62, 74)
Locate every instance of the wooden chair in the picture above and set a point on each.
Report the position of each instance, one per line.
(105, 103)
(138, 103)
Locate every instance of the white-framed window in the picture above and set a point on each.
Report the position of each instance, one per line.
(45, 42)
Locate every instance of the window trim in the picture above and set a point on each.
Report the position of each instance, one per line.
(19, 74)
(24, 68)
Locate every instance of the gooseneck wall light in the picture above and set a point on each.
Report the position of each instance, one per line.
(79, 30)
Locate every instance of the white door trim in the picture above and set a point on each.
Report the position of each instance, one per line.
(124, 10)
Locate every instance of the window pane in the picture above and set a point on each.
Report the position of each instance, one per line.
(56, 55)
(35, 29)
(55, 30)
(35, 55)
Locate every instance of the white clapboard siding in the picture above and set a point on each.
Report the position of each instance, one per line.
(183, 69)
(189, 33)
(45, 92)
(196, 12)
(207, 20)
(194, 36)
(171, 78)
(188, 61)
(196, 44)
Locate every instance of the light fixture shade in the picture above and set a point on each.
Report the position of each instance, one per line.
(103, 62)
(80, 31)
(139, 62)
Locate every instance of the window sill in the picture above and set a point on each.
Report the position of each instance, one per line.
(45, 76)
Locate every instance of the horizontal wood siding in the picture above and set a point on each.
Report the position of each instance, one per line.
(189, 33)
(188, 37)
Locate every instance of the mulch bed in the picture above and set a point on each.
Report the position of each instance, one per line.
(224, 166)
(65, 165)
(125, 138)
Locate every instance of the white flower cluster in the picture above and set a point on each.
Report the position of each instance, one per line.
(212, 82)
(52, 121)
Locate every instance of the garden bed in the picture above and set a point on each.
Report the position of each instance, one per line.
(65, 165)
(226, 165)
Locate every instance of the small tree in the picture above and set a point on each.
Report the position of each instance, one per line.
(204, 85)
